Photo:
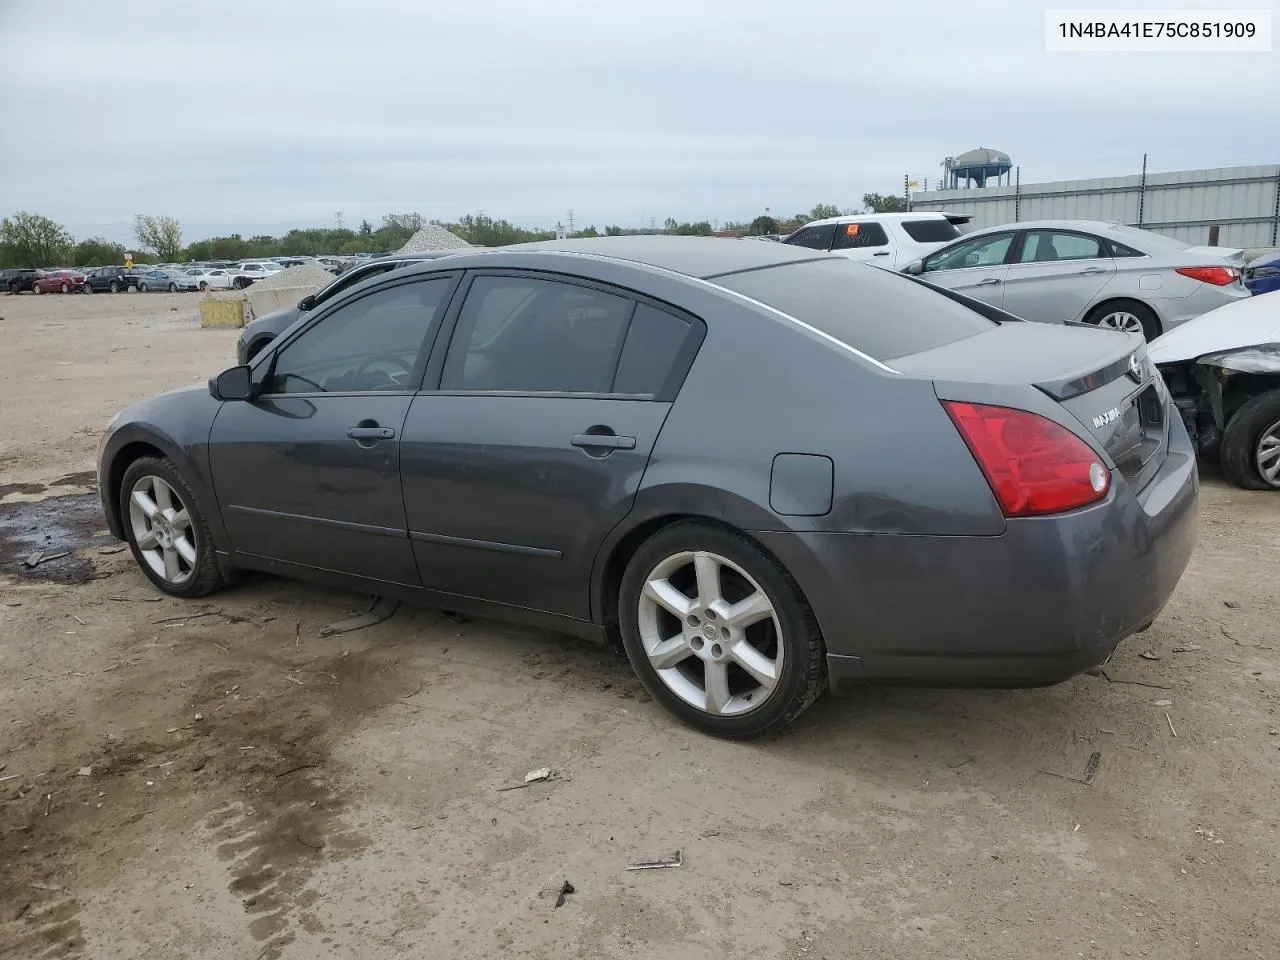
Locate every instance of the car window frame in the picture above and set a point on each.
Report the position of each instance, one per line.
(814, 226)
(1104, 251)
(666, 394)
(263, 365)
(1014, 245)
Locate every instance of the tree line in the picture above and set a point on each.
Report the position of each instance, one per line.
(33, 240)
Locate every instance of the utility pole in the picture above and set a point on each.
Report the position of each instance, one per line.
(653, 221)
(570, 220)
(337, 217)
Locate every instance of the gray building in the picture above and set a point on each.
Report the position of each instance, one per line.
(1242, 202)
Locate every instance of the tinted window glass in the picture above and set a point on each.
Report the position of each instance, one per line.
(880, 313)
(984, 251)
(530, 335)
(816, 238)
(852, 236)
(1120, 250)
(939, 230)
(653, 345)
(372, 344)
(1046, 246)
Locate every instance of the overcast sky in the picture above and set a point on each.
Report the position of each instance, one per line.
(259, 117)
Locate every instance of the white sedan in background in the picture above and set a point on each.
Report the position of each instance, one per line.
(215, 279)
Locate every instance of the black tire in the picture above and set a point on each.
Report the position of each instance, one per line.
(115, 287)
(1240, 440)
(142, 288)
(86, 289)
(173, 288)
(65, 288)
(803, 674)
(1145, 315)
(206, 576)
(203, 286)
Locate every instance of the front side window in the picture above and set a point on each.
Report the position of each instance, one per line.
(372, 344)
(985, 251)
(856, 236)
(1047, 246)
(815, 238)
(529, 335)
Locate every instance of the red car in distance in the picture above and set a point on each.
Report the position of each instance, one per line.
(58, 281)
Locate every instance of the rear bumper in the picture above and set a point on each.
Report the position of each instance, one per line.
(1045, 601)
(1176, 311)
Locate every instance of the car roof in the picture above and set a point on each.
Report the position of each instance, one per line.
(700, 257)
(918, 215)
(1091, 226)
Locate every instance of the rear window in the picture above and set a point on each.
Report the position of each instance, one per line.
(938, 230)
(872, 310)
(1140, 236)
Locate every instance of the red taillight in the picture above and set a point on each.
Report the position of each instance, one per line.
(1218, 276)
(1034, 465)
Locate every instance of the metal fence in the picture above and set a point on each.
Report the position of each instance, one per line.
(1241, 205)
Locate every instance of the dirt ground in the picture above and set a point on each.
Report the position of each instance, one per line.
(215, 780)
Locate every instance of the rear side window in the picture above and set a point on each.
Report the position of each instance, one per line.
(1120, 250)
(931, 231)
(855, 236)
(815, 238)
(655, 342)
(880, 313)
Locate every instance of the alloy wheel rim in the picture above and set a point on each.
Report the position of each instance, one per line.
(1267, 455)
(711, 633)
(162, 530)
(1122, 320)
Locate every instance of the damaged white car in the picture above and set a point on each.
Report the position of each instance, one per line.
(1223, 370)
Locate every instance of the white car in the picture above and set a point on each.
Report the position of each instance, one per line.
(259, 268)
(888, 240)
(212, 279)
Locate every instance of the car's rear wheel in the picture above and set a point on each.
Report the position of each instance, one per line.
(1127, 315)
(173, 288)
(115, 287)
(719, 632)
(167, 533)
(1250, 454)
(65, 288)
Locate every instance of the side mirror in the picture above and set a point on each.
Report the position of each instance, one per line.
(233, 384)
(307, 302)
(915, 268)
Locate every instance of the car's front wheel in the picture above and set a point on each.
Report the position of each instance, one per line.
(65, 288)
(173, 288)
(1250, 453)
(718, 631)
(167, 533)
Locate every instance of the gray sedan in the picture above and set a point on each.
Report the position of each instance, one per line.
(1096, 272)
(759, 469)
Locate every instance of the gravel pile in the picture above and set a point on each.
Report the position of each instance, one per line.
(309, 275)
(433, 237)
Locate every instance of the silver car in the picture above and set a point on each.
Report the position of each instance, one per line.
(1088, 270)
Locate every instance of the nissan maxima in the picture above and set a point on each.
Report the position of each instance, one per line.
(759, 469)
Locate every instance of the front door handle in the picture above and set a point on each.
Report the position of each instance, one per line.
(603, 441)
(371, 433)
(882, 253)
(1094, 270)
(990, 281)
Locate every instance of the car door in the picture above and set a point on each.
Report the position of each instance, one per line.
(865, 240)
(975, 266)
(1055, 274)
(531, 451)
(308, 473)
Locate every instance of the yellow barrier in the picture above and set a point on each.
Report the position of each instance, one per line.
(222, 313)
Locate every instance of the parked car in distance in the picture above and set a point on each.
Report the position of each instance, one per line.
(58, 281)
(156, 281)
(1090, 271)
(115, 279)
(19, 280)
(262, 330)
(716, 453)
(215, 278)
(1223, 371)
(1263, 274)
(888, 240)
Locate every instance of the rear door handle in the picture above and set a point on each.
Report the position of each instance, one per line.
(882, 253)
(603, 440)
(1094, 270)
(371, 433)
(988, 282)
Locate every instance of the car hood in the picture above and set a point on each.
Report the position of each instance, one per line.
(1244, 323)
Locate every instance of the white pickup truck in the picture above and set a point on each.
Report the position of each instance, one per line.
(888, 240)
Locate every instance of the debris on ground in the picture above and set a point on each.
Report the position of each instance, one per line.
(1090, 770)
(1233, 604)
(675, 860)
(1170, 722)
(1210, 835)
(1099, 672)
(85, 772)
(39, 557)
(1162, 703)
(541, 775)
(379, 609)
(565, 889)
(1188, 648)
(1149, 655)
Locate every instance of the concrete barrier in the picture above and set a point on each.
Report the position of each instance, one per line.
(219, 312)
(264, 301)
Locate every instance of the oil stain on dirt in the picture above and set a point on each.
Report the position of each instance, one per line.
(32, 531)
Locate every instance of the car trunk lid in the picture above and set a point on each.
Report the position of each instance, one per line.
(1102, 378)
